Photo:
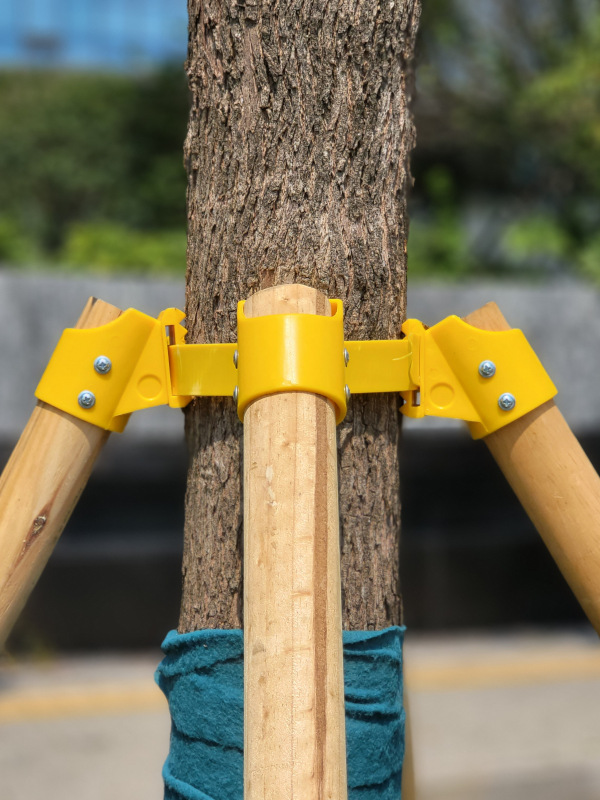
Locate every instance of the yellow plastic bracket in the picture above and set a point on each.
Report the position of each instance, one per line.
(139, 377)
(436, 370)
(203, 370)
(380, 366)
(446, 360)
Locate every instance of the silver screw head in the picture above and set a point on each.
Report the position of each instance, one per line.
(346, 357)
(86, 399)
(236, 394)
(102, 365)
(487, 369)
(347, 393)
(507, 401)
(236, 356)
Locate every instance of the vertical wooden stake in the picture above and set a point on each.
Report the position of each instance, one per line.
(40, 486)
(294, 733)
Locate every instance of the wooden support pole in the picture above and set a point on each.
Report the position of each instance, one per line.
(556, 484)
(40, 486)
(294, 732)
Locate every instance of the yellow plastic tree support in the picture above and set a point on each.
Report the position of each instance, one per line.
(292, 352)
(488, 377)
(438, 371)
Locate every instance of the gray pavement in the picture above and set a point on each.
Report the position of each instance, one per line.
(503, 717)
(514, 717)
(90, 758)
(87, 728)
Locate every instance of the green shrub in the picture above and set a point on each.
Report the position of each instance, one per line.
(88, 148)
(15, 246)
(589, 259)
(535, 236)
(108, 247)
(437, 244)
(438, 249)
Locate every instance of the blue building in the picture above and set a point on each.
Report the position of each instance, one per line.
(92, 34)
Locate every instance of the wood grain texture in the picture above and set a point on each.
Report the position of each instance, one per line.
(40, 486)
(297, 159)
(556, 484)
(294, 730)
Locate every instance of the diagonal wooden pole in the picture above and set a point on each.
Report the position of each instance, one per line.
(40, 486)
(556, 484)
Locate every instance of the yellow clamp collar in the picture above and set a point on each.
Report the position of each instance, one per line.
(291, 352)
(438, 371)
(275, 353)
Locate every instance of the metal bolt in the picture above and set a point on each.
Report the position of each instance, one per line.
(86, 399)
(507, 401)
(236, 394)
(346, 357)
(487, 369)
(347, 393)
(236, 356)
(102, 365)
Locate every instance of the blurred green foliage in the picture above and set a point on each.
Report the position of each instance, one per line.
(536, 235)
(16, 247)
(561, 107)
(589, 258)
(92, 169)
(438, 245)
(110, 247)
(508, 107)
(507, 165)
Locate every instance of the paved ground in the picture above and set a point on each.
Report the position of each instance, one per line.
(82, 729)
(506, 718)
(514, 717)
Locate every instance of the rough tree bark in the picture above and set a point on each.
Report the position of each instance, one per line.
(297, 159)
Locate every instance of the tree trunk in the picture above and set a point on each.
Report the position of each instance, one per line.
(297, 158)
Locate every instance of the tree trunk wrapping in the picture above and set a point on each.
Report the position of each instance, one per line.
(297, 160)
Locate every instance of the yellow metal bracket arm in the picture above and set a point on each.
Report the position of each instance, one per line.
(451, 370)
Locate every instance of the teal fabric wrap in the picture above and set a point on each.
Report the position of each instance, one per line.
(202, 677)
